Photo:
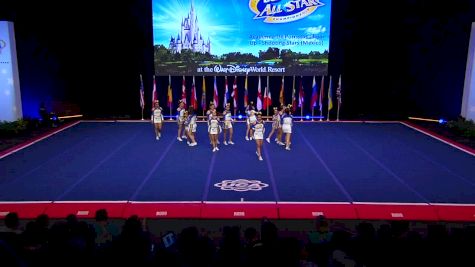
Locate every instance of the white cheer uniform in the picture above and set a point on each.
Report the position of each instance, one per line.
(157, 116)
(259, 130)
(286, 123)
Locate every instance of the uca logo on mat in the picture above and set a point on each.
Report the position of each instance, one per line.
(3, 44)
(283, 11)
(241, 185)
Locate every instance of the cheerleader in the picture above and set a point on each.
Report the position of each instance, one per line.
(275, 124)
(228, 124)
(248, 110)
(278, 139)
(157, 119)
(286, 122)
(258, 129)
(251, 120)
(213, 130)
(181, 120)
(190, 126)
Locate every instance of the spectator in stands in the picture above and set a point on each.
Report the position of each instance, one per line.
(230, 251)
(105, 231)
(11, 232)
(318, 245)
(134, 245)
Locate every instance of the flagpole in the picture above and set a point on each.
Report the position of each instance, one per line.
(338, 112)
(142, 114)
(313, 111)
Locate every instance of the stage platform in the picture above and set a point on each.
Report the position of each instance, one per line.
(342, 170)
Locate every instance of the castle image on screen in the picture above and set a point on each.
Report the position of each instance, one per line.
(189, 36)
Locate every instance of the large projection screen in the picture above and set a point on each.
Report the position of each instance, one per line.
(241, 37)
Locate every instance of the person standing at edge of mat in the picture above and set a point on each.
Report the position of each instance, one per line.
(181, 120)
(287, 123)
(157, 119)
(258, 132)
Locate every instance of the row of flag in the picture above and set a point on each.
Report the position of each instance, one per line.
(263, 101)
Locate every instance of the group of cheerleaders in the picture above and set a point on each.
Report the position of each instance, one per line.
(187, 118)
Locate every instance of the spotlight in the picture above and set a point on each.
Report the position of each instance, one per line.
(442, 121)
(239, 116)
(307, 117)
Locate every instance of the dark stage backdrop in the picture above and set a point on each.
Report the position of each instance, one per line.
(406, 58)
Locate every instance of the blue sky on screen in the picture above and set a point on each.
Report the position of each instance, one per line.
(231, 26)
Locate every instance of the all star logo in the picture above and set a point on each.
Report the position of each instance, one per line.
(241, 185)
(282, 11)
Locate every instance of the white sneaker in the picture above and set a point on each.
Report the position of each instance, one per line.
(156, 137)
(193, 144)
(183, 137)
(251, 138)
(257, 154)
(281, 144)
(287, 148)
(225, 143)
(188, 142)
(214, 149)
(179, 139)
(277, 140)
(268, 140)
(260, 158)
(231, 142)
(247, 138)
(217, 149)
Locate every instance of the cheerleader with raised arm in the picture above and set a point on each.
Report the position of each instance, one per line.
(287, 123)
(213, 130)
(258, 131)
(181, 120)
(275, 124)
(228, 125)
(190, 126)
(249, 110)
(251, 120)
(157, 119)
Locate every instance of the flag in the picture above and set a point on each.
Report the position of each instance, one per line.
(266, 101)
(338, 91)
(170, 94)
(234, 94)
(142, 99)
(322, 88)
(330, 102)
(215, 97)
(259, 95)
(194, 100)
(154, 92)
(203, 95)
(245, 93)
(226, 91)
(267, 98)
(281, 94)
(294, 98)
(301, 94)
(183, 91)
(313, 102)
